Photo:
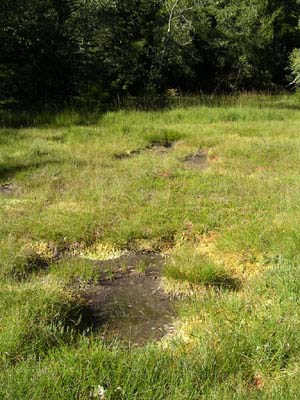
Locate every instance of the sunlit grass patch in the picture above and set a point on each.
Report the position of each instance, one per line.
(74, 271)
(187, 264)
(101, 251)
(180, 289)
(241, 264)
(164, 137)
(68, 206)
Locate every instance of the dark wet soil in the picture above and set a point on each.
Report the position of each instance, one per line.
(198, 160)
(8, 189)
(158, 147)
(162, 149)
(127, 154)
(129, 303)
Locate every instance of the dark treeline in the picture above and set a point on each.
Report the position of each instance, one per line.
(100, 51)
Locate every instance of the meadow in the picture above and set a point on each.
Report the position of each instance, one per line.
(213, 186)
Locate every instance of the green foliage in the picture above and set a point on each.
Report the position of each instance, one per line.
(295, 66)
(97, 53)
(38, 50)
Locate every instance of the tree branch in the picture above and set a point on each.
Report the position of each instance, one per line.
(171, 15)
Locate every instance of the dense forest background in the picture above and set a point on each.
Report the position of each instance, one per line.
(97, 52)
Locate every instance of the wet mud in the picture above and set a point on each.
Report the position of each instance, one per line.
(198, 160)
(129, 303)
(8, 189)
(158, 147)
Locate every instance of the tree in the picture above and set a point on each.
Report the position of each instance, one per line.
(97, 51)
(38, 50)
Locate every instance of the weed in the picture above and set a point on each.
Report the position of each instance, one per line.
(141, 267)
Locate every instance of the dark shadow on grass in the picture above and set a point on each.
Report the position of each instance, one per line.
(283, 106)
(34, 265)
(9, 171)
(226, 283)
(56, 116)
(63, 117)
(6, 134)
(78, 316)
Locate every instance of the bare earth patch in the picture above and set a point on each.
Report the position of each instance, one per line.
(159, 148)
(129, 303)
(198, 160)
(8, 189)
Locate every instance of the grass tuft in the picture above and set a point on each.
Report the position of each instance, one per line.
(164, 137)
(186, 264)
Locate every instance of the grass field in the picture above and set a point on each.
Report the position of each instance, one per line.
(215, 187)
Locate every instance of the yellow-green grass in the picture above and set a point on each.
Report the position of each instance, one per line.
(78, 188)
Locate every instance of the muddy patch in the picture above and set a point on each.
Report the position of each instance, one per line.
(127, 154)
(161, 148)
(129, 303)
(8, 189)
(198, 160)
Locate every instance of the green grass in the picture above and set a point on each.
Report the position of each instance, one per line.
(187, 265)
(233, 225)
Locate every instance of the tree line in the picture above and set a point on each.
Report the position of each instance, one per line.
(102, 51)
